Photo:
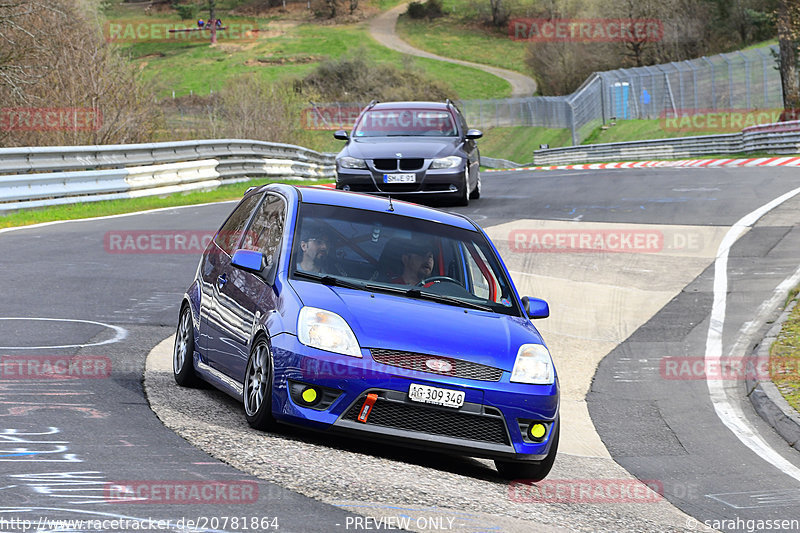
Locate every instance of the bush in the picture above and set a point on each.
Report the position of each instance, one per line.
(354, 79)
(430, 9)
(416, 10)
(249, 107)
(433, 9)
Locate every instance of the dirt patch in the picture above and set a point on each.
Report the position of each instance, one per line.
(294, 60)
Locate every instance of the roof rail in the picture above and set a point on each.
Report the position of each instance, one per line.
(372, 103)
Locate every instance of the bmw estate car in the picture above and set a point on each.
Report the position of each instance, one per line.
(411, 149)
(372, 317)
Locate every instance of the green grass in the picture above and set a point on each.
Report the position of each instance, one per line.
(631, 130)
(450, 37)
(518, 143)
(288, 50)
(115, 207)
(785, 358)
(322, 141)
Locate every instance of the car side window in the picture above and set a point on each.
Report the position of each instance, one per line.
(266, 230)
(231, 232)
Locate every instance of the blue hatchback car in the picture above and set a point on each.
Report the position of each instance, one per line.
(382, 319)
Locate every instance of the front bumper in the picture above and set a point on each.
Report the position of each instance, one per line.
(443, 182)
(491, 423)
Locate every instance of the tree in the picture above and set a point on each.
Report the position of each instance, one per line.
(499, 15)
(22, 47)
(788, 40)
(54, 56)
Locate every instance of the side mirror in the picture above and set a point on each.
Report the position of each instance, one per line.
(474, 134)
(248, 260)
(341, 135)
(535, 307)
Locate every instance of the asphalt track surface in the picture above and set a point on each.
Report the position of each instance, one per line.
(66, 442)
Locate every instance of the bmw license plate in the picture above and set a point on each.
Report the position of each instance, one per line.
(436, 396)
(399, 178)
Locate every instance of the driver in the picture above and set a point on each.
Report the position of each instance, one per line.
(417, 259)
(314, 243)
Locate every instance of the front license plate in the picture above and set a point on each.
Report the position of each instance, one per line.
(399, 178)
(436, 396)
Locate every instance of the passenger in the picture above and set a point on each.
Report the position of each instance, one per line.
(417, 263)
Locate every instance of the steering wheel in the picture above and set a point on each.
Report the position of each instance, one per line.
(427, 282)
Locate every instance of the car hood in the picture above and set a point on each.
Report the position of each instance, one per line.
(389, 147)
(392, 322)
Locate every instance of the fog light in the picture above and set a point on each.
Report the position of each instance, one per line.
(537, 431)
(309, 395)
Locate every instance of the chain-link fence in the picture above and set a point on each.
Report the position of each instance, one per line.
(734, 82)
(737, 81)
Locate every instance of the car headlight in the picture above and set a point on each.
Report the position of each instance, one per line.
(533, 365)
(327, 331)
(351, 162)
(447, 162)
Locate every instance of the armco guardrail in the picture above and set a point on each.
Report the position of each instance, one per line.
(40, 176)
(780, 138)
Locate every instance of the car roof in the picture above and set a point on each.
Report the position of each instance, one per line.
(415, 105)
(368, 202)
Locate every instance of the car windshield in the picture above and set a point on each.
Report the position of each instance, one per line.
(406, 122)
(408, 257)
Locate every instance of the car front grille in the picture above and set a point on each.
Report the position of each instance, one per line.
(385, 164)
(395, 164)
(416, 361)
(411, 164)
(398, 415)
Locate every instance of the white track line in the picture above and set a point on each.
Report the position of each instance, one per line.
(731, 415)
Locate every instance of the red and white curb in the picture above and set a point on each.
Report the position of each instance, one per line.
(691, 163)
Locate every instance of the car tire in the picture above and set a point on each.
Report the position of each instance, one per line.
(257, 389)
(527, 470)
(183, 350)
(463, 192)
(476, 193)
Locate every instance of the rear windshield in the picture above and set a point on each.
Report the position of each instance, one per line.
(406, 123)
(410, 257)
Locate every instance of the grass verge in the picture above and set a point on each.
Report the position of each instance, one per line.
(452, 37)
(784, 358)
(518, 143)
(233, 191)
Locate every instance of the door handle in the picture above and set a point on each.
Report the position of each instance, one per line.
(222, 280)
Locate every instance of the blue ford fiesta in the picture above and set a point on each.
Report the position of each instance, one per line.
(377, 318)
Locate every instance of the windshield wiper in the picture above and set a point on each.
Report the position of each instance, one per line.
(414, 292)
(327, 279)
(450, 299)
